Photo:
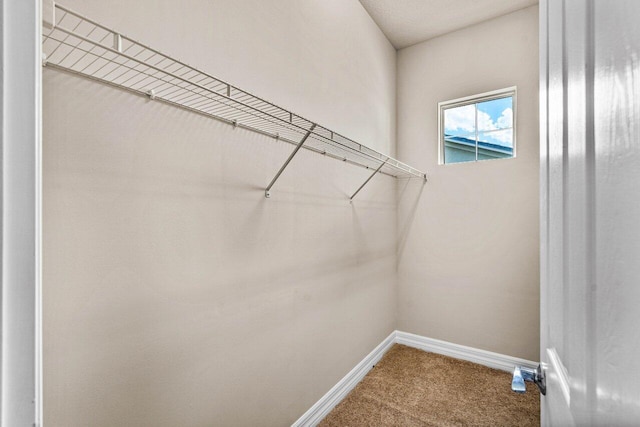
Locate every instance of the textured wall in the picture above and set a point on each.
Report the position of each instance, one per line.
(468, 263)
(174, 292)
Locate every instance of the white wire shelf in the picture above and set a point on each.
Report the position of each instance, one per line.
(81, 46)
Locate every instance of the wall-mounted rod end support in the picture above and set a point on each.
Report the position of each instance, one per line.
(117, 42)
(49, 14)
(267, 194)
(44, 59)
(151, 93)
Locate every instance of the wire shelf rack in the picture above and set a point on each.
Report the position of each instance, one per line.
(81, 46)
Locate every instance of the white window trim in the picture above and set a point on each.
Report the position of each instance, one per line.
(474, 99)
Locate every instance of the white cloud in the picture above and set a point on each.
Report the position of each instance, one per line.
(501, 137)
(506, 119)
(461, 120)
(485, 122)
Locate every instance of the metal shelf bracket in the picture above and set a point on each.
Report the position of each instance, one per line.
(267, 191)
(368, 179)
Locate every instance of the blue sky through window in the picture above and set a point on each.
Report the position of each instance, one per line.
(495, 121)
(500, 112)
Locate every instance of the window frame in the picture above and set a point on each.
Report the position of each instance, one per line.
(470, 100)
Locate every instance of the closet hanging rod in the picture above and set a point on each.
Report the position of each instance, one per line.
(84, 47)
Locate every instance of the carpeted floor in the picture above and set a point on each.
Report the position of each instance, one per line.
(410, 387)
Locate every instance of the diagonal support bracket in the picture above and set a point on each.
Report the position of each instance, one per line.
(267, 191)
(368, 179)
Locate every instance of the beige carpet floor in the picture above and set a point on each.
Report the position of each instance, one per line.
(410, 387)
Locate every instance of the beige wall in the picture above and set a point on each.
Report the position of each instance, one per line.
(468, 266)
(174, 292)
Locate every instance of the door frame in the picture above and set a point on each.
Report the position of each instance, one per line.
(21, 289)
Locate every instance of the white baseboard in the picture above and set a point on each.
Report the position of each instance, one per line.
(457, 351)
(334, 396)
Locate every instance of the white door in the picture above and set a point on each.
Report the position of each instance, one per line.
(590, 211)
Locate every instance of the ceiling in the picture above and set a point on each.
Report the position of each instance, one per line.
(407, 22)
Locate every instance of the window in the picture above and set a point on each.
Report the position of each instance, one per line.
(479, 127)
